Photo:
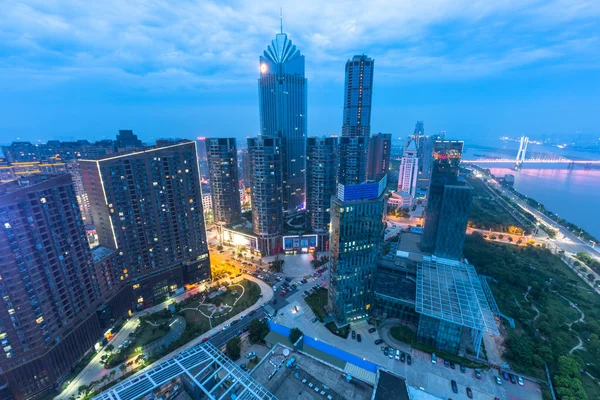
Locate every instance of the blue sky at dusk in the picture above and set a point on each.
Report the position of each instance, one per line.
(477, 69)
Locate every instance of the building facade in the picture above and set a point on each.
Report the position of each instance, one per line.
(353, 157)
(283, 108)
(448, 203)
(356, 237)
(48, 285)
(321, 163)
(147, 205)
(358, 89)
(409, 171)
(224, 181)
(266, 192)
(380, 149)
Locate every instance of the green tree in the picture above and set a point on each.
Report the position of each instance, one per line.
(234, 348)
(277, 264)
(295, 334)
(258, 330)
(122, 368)
(110, 348)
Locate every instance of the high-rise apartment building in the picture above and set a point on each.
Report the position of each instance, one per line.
(282, 101)
(380, 148)
(48, 285)
(356, 237)
(147, 205)
(448, 203)
(358, 89)
(321, 163)
(266, 192)
(224, 182)
(356, 127)
(202, 157)
(409, 170)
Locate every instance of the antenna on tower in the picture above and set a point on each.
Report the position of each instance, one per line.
(281, 19)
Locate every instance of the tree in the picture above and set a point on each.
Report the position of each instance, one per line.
(295, 334)
(258, 330)
(591, 277)
(109, 348)
(233, 348)
(277, 264)
(122, 368)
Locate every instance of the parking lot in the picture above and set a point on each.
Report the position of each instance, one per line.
(434, 378)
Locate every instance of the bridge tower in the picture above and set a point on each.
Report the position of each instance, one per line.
(522, 151)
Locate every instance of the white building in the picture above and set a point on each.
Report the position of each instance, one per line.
(409, 170)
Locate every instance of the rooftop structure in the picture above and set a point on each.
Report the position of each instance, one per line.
(204, 367)
(291, 374)
(390, 386)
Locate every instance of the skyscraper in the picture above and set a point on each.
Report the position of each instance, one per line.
(127, 140)
(356, 127)
(409, 169)
(282, 101)
(448, 203)
(380, 147)
(48, 286)
(356, 237)
(266, 192)
(224, 182)
(321, 162)
(202, 157)
(357, 96)
(147, 205)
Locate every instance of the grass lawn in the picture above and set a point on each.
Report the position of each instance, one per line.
(403, 333)
(341, 332)
(317, 302)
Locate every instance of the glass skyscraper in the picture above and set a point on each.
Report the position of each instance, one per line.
(224, 182)
(448, 203)
(321, 162)
(282, 100)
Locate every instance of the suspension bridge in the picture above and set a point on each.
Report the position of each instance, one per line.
(520, 159)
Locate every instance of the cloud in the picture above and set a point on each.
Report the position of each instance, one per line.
(203, 44)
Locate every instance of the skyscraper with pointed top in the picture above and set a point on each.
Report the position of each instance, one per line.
(282, 102)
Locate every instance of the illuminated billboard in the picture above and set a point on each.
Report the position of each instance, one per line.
(303, 243)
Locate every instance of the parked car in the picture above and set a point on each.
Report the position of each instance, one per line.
(505, 375)
(452, 365)
(391, 355)
(446, 363)
(408, 359)
(372, 330)
(379, 341)
(498, 380)
(512, 379)
(454, 386)
(433, 358)
(469, 393)
(477, 374)
(358, 337)
(353, 334)
(402, 357)
(315, 319)
(397, 356)
(386, 351)
(520, 381)
(251, 355)
(462, 369)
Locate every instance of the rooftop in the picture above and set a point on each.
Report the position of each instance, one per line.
(307, 374)
(390, 386)
(101, 252)
(409, 246)
(451, 291)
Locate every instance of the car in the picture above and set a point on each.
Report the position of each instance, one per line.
(512, 379)
(353, 334)
(498, 380)
(397, 356)
(433, 358)
(477, 374)
(379, 341)
(315, 319)
(521, 383)
(358, 337)
(372, 330)
(386, 351)
(391, 354)
(282, 294)
(408, 359)
(244, 367)
(469, 393)
(452, 365)
(463, 369)
(251, 355)
(205, 339)
(505, 375)
(454, 386)
(402, 357)
(446, 363)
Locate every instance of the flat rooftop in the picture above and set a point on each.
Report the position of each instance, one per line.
(390, 386)
(305, 376)
(409, 246)
(101, 252)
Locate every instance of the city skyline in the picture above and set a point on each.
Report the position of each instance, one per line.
(168, 70)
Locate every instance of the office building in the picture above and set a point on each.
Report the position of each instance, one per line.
(202, 157)
(147, 205)
(409, 169)
(321, 163)
(380, 148)
(127, 140)
(266, 192)
(358, 90)
(224, 182)
(48, 285)
(448, 203)
(353, 158)
(356, 236)
(282, 101)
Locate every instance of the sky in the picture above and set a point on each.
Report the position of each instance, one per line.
(478, 69)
